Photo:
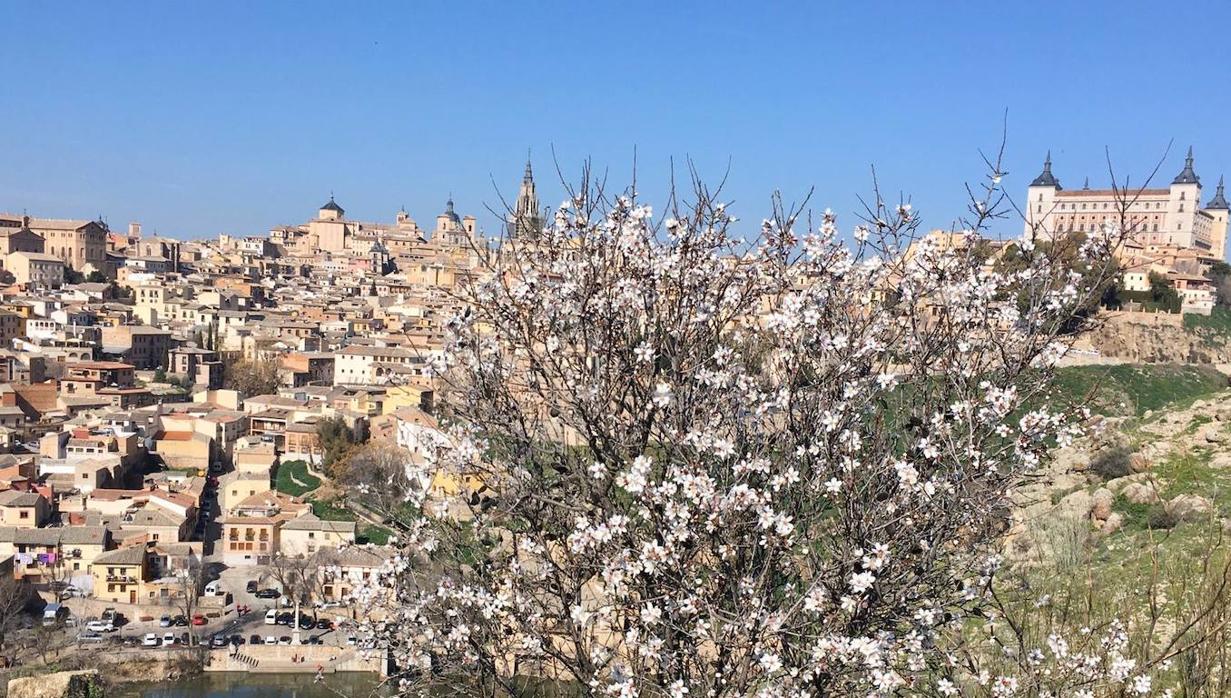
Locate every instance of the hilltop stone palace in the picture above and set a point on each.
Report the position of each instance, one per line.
(1170, 217)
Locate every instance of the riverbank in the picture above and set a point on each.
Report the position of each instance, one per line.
(116, 668)
(240, 685)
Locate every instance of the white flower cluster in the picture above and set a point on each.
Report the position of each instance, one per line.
(713, 467)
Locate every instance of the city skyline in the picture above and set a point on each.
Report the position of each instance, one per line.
(258, 114)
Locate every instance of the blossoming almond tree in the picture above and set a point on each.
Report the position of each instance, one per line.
(716, 466)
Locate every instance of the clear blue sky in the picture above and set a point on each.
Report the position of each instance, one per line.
(207, 117)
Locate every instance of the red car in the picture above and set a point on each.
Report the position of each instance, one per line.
(198, 619)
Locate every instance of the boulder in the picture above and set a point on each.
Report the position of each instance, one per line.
(1214, 434)
(1189, 507)
(1076, 504)
(1140, 493)
(1121, 482)
(1140, 463)
(1113, 523)
(1100, 504)
(1221, 460)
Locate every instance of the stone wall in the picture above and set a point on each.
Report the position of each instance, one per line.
(296, 658)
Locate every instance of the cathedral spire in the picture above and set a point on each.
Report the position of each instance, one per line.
(1219, 201)
(525, 217)
(1046, 178)
(1187, 176)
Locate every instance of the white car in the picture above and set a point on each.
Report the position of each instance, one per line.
(99, 626)
(150, 640)
(271, 640)
(271, 617)
(168, 640)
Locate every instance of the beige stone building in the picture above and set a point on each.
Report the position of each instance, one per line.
(1170, 217)
(19, 239)
(119, 575)
(349, 568)
(308, 534)
(142, 346)
(81, 245)
(28, 509)
(237, 486)
(35, 269)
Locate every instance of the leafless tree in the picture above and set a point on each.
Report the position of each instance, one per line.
(252, 376)
(298, 577)
(186, 596)
(376, 476)
(14, 598)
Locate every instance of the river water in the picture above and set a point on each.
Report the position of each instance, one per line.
(240, 685)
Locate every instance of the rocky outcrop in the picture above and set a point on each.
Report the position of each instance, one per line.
(1068, 501)
(65, 684)
(1135, 339)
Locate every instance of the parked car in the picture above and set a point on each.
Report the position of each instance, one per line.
(314, 640)
(254, 639)
(271, 617)
(268, 594)
(168, 639)
(324, 624)
(181, 621)
(183, 639)
(90, 636)
(150, 640)
(284, 640)
(218, 641)
(251, 587)
(284, 619)
(237, 639)
(198, 619)
(164, 622)
(99, 626)
(271, 640)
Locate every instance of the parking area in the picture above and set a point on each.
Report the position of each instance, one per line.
(257, 625)
(238, 614)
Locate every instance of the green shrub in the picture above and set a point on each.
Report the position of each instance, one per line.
(1160, 519)
(1112, 463)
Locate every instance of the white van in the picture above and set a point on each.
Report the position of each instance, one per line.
(54, 613)
(214, 588)
(271, 617)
